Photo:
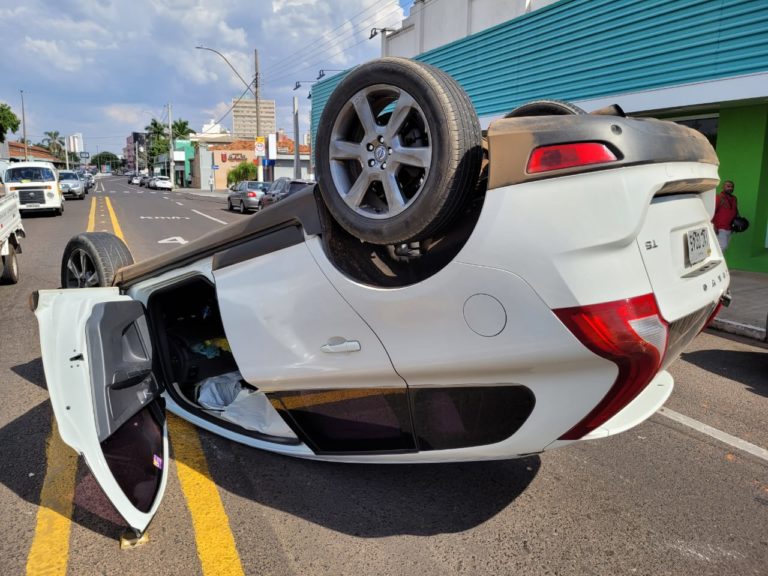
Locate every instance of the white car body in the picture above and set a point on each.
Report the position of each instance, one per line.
(162, 183)
(553, 321)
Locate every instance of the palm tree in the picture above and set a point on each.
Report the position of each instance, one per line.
(155, 129)
(181, 129)
(54, 142)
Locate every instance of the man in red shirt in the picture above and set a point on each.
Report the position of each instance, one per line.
(726, 209)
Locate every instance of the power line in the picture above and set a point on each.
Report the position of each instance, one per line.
(235, 103)
(313, 48)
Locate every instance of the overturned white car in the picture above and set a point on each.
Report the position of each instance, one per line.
(440, 295)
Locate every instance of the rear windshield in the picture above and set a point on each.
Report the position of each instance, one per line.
(257, 186)
(65, 176)
(29, 174)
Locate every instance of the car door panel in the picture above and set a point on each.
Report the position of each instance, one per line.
(97, 358)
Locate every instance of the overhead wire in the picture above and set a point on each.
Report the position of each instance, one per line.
(327, 56)
(312, 47)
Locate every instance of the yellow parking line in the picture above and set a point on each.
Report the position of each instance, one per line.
(113, 217)
(50, 548)
(92, 215)
(215, 542)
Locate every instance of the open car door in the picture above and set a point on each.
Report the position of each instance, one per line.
(97, 358)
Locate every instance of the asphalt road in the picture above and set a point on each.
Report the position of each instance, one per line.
(663, 498)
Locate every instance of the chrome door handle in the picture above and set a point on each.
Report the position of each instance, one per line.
(336, 345)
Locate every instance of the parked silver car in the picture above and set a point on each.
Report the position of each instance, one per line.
(247, 195)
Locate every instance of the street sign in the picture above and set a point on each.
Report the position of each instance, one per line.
(260, 146)
(215, 167)
(85, 155)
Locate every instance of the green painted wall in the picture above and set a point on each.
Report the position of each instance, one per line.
(742, 146)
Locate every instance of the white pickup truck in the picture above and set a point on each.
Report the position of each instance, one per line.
(11, 233)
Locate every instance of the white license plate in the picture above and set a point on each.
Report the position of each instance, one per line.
(698, 245)
(23, 206)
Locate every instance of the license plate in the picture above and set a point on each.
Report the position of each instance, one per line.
(30, 206)
(698, 245)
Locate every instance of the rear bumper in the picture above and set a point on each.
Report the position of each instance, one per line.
(640, 409)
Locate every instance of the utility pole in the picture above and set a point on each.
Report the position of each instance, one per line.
(66, 151)
(296, 156)
(170, 144)
(24, 123)
(260, 165)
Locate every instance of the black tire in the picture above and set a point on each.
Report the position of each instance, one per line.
(10, 273)
(229, 206)
(438, 141)
(242, 208)
(91, 259)
(545, 108)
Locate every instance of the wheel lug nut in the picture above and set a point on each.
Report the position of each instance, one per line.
(383, 165)
(370, 147)
(381, 138)
(390, 151)
(371, 162)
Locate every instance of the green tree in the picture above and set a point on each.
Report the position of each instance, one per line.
(181, 129)
(155, 128)
(55, 143)
(243, 171)
(105, 158)
(9, 122)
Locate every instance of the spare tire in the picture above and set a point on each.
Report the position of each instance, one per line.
(399, 150)
(91, 260)
(545, 108)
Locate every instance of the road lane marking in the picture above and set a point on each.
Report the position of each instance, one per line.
(213, 537)
(92, 216)
(210, 217)
(179, 203)
(215, 542)
(724, 437)
(115, 224)
(49, 552)
(173, 240)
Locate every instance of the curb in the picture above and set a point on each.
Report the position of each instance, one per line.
(740, 329)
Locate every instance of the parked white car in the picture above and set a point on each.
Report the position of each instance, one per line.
(37, 184)
(11, 233)
(161, 183)
(431, 299)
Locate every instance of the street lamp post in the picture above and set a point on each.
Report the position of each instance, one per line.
(24, 124)
(254, 91)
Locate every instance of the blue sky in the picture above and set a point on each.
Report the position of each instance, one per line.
(104, 68)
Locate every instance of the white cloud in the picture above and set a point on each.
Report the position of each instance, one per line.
(105, 67)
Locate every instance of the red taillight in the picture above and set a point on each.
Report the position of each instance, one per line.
(251, 194)
(546, 158)
(630, 333)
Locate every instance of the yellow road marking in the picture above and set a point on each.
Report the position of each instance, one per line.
(213, 537)
(92, 215)
(50, 548)
(113, 217)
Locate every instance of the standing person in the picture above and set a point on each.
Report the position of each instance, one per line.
(726, 209)
(210, 182)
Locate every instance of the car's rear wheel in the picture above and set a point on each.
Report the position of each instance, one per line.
(229, 206)
(10, 273)
(399, 151)
(242, 207)
(91, 259)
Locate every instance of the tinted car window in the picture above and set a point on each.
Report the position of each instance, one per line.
(65, 176)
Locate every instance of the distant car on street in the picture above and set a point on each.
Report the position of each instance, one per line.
(37, 184)
(247, 195)
(143, 181)
(71, 184)
(134, 179)
(282, 188)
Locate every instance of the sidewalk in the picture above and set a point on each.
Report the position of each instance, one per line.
(219, 195)
(748, 313)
